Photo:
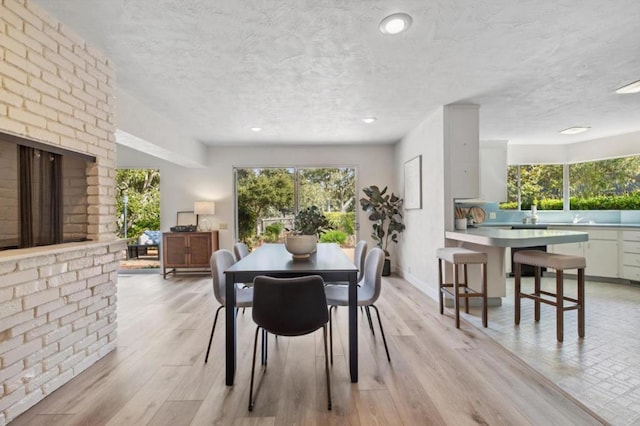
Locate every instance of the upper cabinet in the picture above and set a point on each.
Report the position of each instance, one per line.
(493, 170)
(461, 137)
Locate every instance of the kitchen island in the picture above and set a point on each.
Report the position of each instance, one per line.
(494, 242)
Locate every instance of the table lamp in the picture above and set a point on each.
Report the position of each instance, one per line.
(204, 208)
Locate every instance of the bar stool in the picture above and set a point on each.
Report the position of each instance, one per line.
(462, 256)
(559, 262)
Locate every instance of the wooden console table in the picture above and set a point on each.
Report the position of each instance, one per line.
(188, 251)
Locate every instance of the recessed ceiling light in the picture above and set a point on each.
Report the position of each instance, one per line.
(574, 130)
(629, 88)
(369, 120)
(255, 129)
(395, 24)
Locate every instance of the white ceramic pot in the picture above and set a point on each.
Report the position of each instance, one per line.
(301, 246)
(461, 223)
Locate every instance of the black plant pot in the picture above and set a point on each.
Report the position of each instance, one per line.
(386, 269)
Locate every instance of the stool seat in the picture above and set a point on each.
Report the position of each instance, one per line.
(549, 260)
(459, 255)
(459, 287)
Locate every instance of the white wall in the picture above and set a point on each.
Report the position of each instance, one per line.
(416, 252)
(180, 186)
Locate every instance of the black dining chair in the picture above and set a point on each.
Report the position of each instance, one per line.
(289, 307)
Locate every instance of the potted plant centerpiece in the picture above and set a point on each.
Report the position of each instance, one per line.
(386, 213)
(309, 223)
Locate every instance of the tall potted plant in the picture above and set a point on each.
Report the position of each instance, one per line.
(385, 211)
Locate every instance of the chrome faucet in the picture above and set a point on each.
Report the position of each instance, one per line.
(578, 219)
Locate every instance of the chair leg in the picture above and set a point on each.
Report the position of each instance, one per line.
(331, 332)
(536, 290)
(516, 292)
(440, 286)
(264, 346)
(456, 295)
(485, 303)
(384, 340)
(581, 325)
(253, 368)
(366, 309)
(466, 284)
(215, 320)
(326, 365)
(559, 305)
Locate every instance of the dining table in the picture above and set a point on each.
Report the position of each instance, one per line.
(329, 261)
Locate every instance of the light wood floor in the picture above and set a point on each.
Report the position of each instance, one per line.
(438, 375)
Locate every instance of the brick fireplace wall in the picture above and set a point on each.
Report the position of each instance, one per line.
(57, 303)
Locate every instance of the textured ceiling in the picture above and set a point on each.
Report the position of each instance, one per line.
(308, 71)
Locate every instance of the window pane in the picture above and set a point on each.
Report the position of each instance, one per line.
(605, 185)
(540, 182)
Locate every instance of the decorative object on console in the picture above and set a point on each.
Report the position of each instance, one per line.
(204, 208)
(309, 223)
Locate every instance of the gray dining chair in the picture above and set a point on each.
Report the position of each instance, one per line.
(368, 292)
(240, 250)
(220, 261)
(289, 307)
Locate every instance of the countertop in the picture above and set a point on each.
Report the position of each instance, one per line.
(489, 236)
(563, 224)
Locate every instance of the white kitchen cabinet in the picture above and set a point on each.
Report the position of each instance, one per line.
(493, 170)
(600, 252)
(462, 149)
(630, 255)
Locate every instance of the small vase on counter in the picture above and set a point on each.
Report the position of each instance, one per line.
(534, 214)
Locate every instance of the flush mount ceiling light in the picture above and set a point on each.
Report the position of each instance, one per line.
(574, 130)
(255, 129)
(629, 88)
(395, 24)
(369, 120)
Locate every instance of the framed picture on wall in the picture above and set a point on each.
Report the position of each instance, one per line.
(413, 183)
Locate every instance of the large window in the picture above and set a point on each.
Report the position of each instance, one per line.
(268, 198)
(595, 185)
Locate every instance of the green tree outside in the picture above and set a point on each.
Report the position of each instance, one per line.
(142, 187)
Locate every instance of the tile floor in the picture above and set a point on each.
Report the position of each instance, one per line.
(603, 369)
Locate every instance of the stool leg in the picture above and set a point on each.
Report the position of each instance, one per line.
(581, 302)
(466, 284)
(536, 290)
(516, 292)
(485, 304)
(440, 287)
(559, 305)
(456, 295)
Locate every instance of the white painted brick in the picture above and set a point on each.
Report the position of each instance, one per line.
(21, 352)
(23, 13)
(57, 359)
(12, 343)
(41, 298)
(40, 37)
(10, 99)
(63, 257)
(72, 338)
(61, 279)
(71, 100)
(7, 267)
(56, 104)
(89, 272)
(11, 18)
(110, 267)
(84, 322)
(65, 310)
(55, 269)
(40, 355)
(24, 64)
(72, 122)
(41, 62)
(94, 92)
(74, 316)
(107, 330)
(70, 56)
(98, 305)
(81, 263)
(106, 289)
(81, 295)
(6, 294)
(24, 404)
(56, 81)
(21, 90)
(113, 336)
(61, 129)
(71, 78)
(97, 325)
(100, 115)
(25, 40)
(39, 109)
(85, 97)
(89, 62)
(12, 126)
(86, 363)
(14, 320)
(54, 384)
(43, 135)
(8, 70)
(34, 262)
(96, 151)
(29, 325)
(45, 308)
(10, 308)
(98, 251)
(18, 277)
(72, 361)
(97, 345)
(13, 45)
(73, 287)
(44, 329)
(22, 378)
(58, 60)
(26, 117)
(8, 400)
(82, 345)
(41, 379)
(100, 279)
(108, 348)
(11, 370)
(29, 288)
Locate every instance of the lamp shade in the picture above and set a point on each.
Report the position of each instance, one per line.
(204, 208)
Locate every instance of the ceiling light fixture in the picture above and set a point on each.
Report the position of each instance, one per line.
(574, 130)
(255, 129)
(369, 120)
(629, 88)
(395, 24)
